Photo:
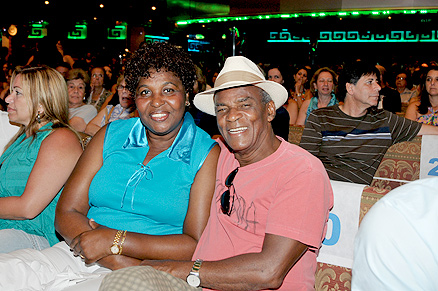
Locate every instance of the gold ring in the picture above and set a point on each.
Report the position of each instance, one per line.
(82, 256)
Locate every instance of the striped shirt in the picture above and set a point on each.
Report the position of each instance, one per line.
(351, 148)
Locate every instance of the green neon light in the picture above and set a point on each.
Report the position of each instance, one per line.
(309, 14)
(118, 32)
(38, 30)
(79, 32)
(155, 38)
(356, 36)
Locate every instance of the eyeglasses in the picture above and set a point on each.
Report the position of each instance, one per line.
(226, 206)
(400, 78)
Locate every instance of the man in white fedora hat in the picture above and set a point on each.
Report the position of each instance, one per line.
(271, 204)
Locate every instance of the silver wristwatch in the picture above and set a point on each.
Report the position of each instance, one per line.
(193, 277)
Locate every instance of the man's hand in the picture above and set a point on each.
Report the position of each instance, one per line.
(179, 269)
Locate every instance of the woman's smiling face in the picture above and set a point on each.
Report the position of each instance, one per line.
(160, 101)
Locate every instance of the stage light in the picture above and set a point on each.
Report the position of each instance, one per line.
(12, 30)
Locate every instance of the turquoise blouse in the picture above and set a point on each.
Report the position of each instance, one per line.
(314, 104)
(153, 198)
(17, 163)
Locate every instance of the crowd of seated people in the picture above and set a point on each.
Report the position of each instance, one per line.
(89, 100)
(121, 106)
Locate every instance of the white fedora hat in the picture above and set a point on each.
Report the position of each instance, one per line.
(239, 71)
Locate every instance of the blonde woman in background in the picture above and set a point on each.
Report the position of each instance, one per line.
(37, 161)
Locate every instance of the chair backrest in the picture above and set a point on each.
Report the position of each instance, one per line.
(295, 133)
(400, 165)
(333, 277)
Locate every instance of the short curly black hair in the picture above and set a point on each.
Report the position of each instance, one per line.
(159, 56)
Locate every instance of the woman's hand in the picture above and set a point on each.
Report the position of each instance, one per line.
(298, 87)
(94, 244)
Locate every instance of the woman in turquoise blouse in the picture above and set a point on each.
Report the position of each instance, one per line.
(37, 161)
(323, 86)
(143, 186)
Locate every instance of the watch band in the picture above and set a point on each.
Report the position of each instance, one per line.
(122, 241)
(193, 277)
(197, 266)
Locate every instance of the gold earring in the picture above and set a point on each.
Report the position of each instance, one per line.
(187, 103)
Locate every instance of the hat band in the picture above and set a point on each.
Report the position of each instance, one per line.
(236, 76)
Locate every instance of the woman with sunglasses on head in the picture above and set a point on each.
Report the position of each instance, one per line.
(37, 161)
(324, 84)
(299, 90)
(123, 109)
(426, 110)
(99, 95)
(142, 188)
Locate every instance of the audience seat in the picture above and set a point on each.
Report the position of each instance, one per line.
(332, 277)
(295, 133)
(401, 164)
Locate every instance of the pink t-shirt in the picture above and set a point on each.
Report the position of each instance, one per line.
(287, 194)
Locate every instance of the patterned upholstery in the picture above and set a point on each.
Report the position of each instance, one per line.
(401, 162)
(332, 277)
(295, 132)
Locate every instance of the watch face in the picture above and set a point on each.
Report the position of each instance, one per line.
(193, 280)
(115, 249)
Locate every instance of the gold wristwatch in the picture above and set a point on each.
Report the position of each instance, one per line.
(116, 249)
